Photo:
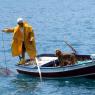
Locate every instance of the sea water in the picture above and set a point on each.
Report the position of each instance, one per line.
(52, 21)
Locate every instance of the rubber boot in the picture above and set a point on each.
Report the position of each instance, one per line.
(21, 62)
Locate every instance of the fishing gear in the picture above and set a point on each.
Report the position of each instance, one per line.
(75, 52)
(3, 46)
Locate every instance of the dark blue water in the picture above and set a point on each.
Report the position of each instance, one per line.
(52, 21)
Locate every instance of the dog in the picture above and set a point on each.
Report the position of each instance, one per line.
(65, 58)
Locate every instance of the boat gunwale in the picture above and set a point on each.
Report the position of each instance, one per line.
(59, 67)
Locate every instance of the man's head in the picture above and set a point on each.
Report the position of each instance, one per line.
(20, 22)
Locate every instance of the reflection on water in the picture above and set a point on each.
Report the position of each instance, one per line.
(27, 85)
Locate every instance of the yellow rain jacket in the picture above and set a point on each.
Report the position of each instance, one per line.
(18, 38)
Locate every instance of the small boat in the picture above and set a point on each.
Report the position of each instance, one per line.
(49, 67)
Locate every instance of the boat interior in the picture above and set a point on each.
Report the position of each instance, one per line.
(55, 62)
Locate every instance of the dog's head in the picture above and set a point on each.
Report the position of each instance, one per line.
(58, 52)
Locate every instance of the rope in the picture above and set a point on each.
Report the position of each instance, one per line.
(4, 55)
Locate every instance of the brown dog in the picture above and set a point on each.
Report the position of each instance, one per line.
(65, 58)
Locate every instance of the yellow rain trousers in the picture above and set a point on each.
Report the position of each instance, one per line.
(18, 38)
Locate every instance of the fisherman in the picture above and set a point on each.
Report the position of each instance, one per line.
(65, 58)
(23, 40)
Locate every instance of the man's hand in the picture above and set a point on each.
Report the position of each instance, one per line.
(5, 30)
(31, 40)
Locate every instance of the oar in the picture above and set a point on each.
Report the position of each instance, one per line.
(70, 46)
(39, 69)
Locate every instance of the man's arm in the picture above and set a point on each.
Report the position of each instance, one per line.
(8, 30)
(31, 34)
